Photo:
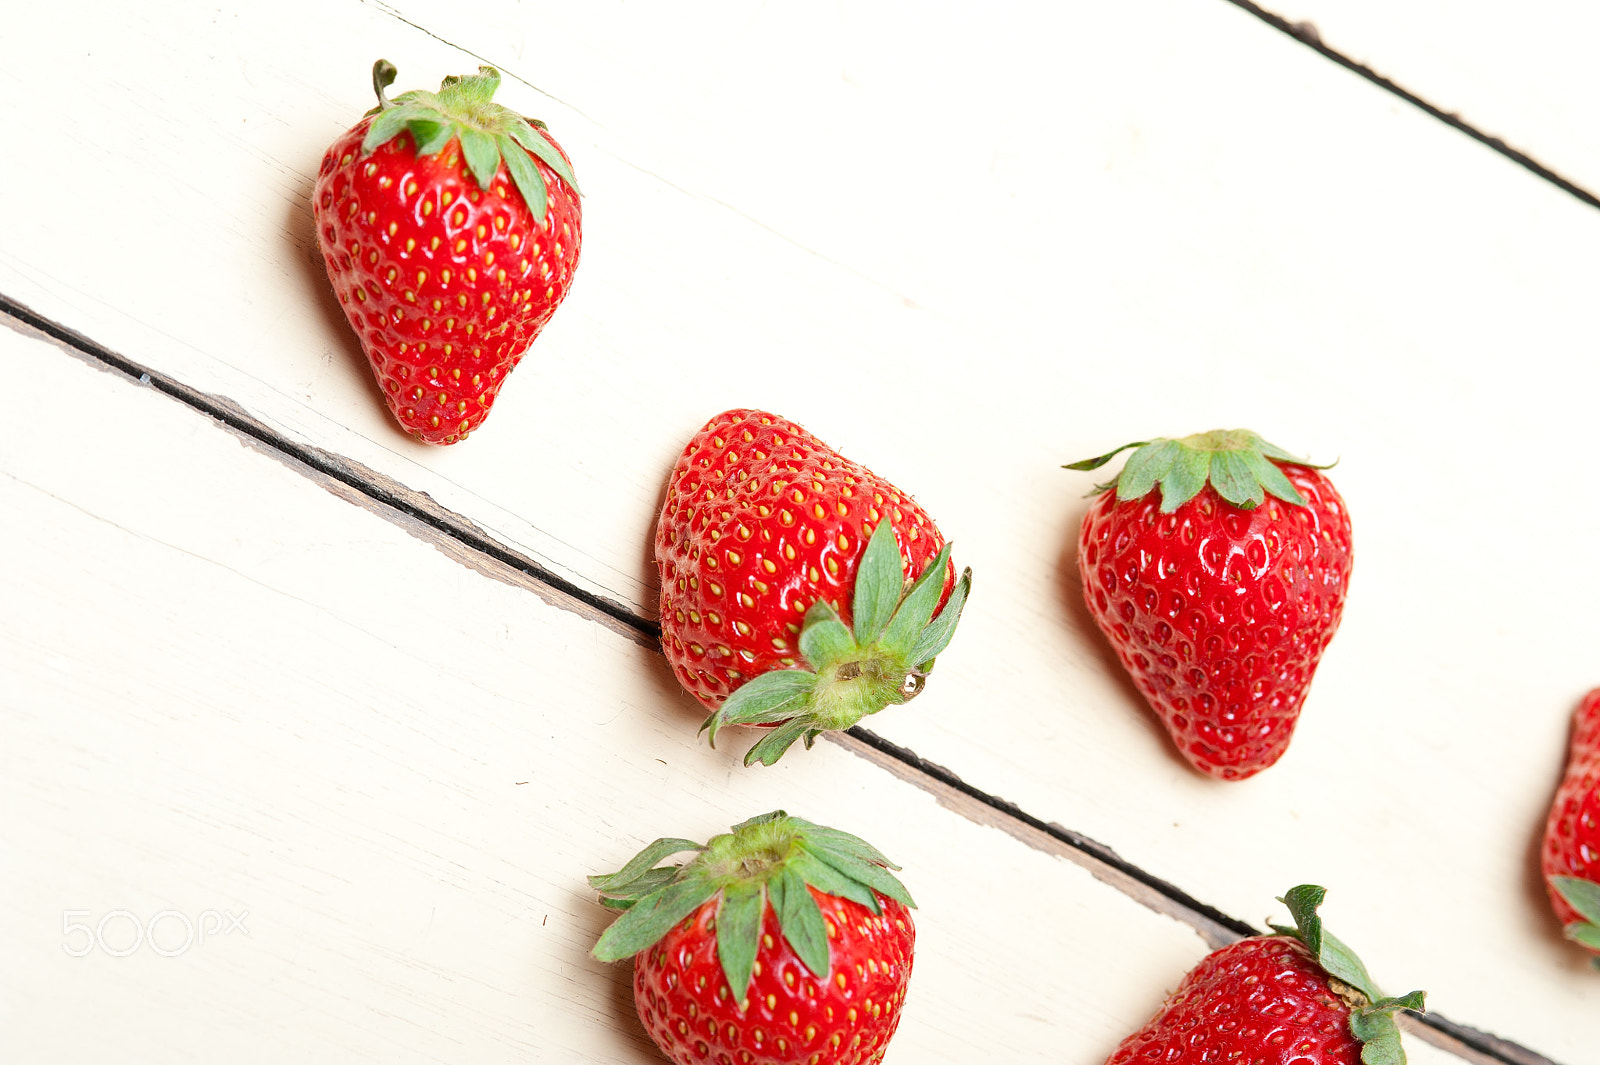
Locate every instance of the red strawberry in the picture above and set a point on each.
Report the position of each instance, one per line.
(1296, 997)
(785, 597)
(450, 228)
(1571, 854)
(781, 942)
(1219, 592)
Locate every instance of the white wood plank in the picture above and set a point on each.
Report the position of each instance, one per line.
(707, 234)
(1106, 227)
(1361, 266)
(227, 691)
(1524, 73)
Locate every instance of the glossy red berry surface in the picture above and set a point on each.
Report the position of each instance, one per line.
(741, 958)
(1572, 829)
(1219, 613)
(789, 1017)
(1262, 1001)
(761, 520)
(445, 280)
(1298, 997)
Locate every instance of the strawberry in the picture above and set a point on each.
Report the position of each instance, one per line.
(799, 589)
(450, 229)
(1218, 569)
(779, 942)
(1571, 854)
(1297, 996)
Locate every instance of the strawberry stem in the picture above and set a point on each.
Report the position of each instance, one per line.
(383, 75)
(1583, 896)
(1372, 1016)
(464, 111)
(768, 860)
(882, 660)
(1238, 464)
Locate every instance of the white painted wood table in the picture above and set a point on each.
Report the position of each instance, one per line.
(363, 714)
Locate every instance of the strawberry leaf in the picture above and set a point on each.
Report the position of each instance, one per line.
(482, 155)
(772, 817)
(1582, 895)
(642, 863)
(876, 877)
(476, 88)
(802, 924)
(1145, 468)
(1237, 464)
(1100, 460)
(1273, 451)
(1341, 962)
(623, 897)
(739, 935)
(883, 661)
(464, 109)
(827, 879)
(775, 696)
(647, 920)
(1337, 959)
(1379, 1036)
(1415, 1001)
(880, 578)
(824, 639)
(526, 177)
(1584, 934)
(523, 131)
(430, 129)
(916, 609)
(385, 128)
(1373, 1024)
(1375, 1027)
(773, 859)
(431, 136)
(1276, 484)
(1183, 481)
(772, 746)
(843, 842)
(936, 637)
(1303, 901)
(1236, 479)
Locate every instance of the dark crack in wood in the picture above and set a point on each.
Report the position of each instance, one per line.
(462, 540)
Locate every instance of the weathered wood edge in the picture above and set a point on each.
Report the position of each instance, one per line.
(415, 512)
(1306, 33)
(1214, 928)
(464, 542)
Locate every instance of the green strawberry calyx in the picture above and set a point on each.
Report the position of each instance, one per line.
(1237, 463)
(464, 110)
(1371, 1013)
(767, 861)
(882, 659)
(1584, 896)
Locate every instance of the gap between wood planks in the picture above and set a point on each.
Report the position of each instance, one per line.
(1306, 33)
(457, 537)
